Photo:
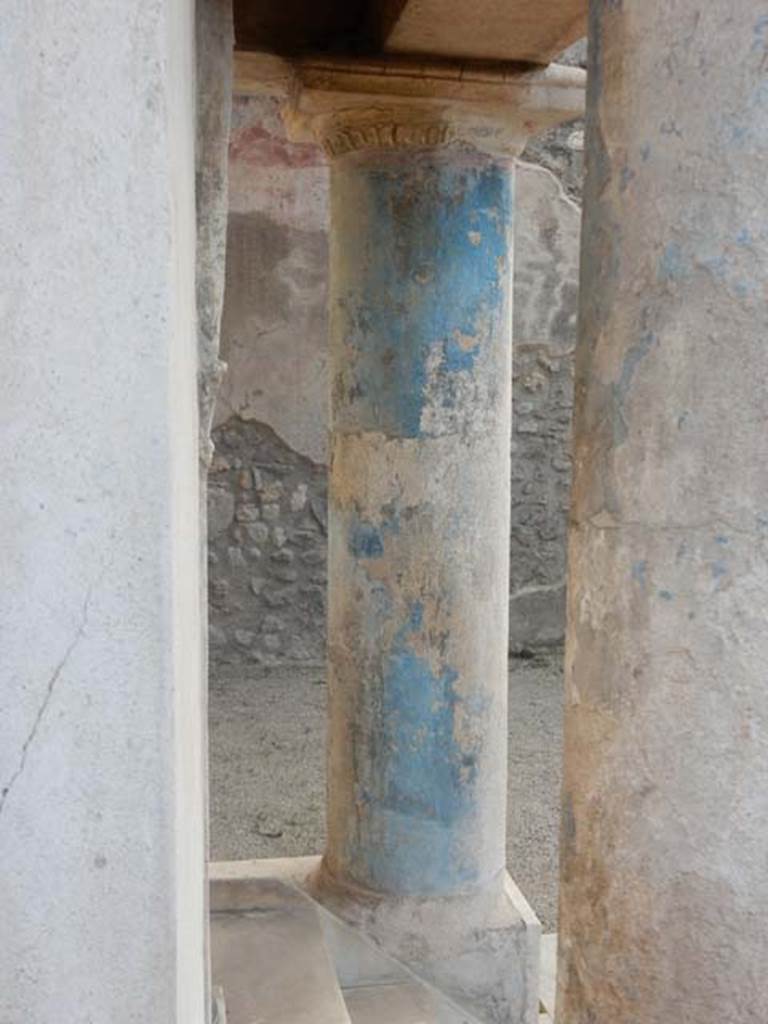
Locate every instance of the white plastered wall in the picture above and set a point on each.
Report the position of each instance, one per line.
(101, 733)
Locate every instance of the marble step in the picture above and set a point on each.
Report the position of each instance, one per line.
(400, 1003)
(281, 958)
(269, 957)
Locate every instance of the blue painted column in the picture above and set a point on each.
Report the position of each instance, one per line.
(421, 250)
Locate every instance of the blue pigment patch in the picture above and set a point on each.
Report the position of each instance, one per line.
(457, 358)
(672, 266)
(418, 280)
(666, 595)
(760, 34)
(424, 779)
(365, 541)
(743, 288)
(638, 572)
(627, 174)
(721, 539)
(716, 265)
(632, 359)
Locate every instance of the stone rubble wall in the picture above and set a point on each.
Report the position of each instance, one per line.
(267, 549)
(267, 483)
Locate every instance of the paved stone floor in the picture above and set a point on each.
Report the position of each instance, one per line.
(267, 777)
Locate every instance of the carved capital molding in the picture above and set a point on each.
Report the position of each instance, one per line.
(374, 130)
(353, 105)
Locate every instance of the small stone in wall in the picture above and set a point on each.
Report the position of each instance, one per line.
(247, 514)
(305, 538)
(244, 637)
(285, 575)
(271, 513)
(320, 512)
(270, 492)
(236, 558)
(299, 498)
(258, 533)
(272, 624)
(534, 381)
(217, 636)
(219, 592)
(314, 557)
(221, 510)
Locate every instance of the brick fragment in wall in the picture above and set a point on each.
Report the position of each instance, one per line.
(267, 550)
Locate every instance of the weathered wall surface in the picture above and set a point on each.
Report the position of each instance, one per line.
(267, 485)
(274, 334)
(545, 295)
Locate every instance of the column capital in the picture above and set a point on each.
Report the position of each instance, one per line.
(385, 104)
(349, 105)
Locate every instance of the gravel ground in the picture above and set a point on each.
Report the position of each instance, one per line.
(267, 735)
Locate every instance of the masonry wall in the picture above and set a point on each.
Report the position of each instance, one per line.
(267, 485)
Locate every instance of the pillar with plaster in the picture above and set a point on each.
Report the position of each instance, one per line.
(664, 874)
(419, 515)
(422, 200)
(102, 786)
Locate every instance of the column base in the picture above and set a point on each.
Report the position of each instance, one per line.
(481, 951)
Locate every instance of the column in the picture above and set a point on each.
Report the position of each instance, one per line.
(664, 871)
(102, 837)
(420, 307)
(422, 199)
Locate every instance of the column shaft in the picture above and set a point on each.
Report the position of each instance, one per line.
(664, 872)
(419, 518)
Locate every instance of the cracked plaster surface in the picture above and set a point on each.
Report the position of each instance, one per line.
(53, 679)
